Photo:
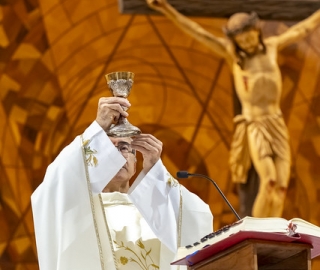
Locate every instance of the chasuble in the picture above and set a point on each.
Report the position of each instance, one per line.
(79, 228)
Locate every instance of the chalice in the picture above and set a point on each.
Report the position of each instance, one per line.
(120, 84)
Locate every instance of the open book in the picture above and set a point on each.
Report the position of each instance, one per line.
(275, 229)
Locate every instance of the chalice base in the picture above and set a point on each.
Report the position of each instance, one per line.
(123, 129)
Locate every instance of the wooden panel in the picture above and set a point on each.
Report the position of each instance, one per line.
(239, 257)
(259, 254)
(293, 10)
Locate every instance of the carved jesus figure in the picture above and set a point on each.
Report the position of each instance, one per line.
(260, 136)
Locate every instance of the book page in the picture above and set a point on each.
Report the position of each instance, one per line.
(305, 227)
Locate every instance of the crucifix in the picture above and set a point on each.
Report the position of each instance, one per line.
(261, 138)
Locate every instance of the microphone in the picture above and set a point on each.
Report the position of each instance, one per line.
(185, 174)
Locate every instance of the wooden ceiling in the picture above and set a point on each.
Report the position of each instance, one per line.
(53, 57)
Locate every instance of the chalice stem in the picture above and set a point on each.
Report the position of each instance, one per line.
(122, 120)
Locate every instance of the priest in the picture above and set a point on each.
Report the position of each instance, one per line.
(88, 217)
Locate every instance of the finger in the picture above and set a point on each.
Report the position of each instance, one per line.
(146, 142)
(114, 100)
(115, 109)
(116, 103)
(147, 137)
(108, 117)
(146, 148)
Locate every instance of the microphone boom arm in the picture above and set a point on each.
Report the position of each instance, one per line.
(184, 174)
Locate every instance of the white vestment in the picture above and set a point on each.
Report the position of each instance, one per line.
(79, 228)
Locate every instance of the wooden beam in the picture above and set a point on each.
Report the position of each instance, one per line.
(288, 10)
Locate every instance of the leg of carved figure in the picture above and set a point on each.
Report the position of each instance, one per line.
(247, 193)
(267, 173)
(283, 175)
(263, 204)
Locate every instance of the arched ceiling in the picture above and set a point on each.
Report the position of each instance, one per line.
(53, 58)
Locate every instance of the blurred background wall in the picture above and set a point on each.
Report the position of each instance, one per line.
(53, 58)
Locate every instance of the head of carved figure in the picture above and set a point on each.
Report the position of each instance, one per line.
(244, 31)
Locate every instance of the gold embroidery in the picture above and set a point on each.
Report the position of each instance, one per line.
(91, 160)
(109, 235)
(123, 260)
(171, 181)
(92, 207)
(180, 221)
(144, 260)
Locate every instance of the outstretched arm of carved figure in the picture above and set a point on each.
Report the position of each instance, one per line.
(299, 30)
(216, 44)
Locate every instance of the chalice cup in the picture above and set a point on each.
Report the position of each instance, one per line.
(120, 84)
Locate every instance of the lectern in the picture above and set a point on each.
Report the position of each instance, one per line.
(255, 254)
(255, 244)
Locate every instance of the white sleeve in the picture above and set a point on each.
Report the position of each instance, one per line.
(62, 204)
(158, 195)
(197, 219)
(108, 159)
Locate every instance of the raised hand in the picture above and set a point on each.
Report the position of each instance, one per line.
(110, 109)
(150, 148)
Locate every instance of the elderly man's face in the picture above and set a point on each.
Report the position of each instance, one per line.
(129, 169)
(248, 41)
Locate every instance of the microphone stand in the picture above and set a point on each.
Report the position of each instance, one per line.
(184, 174)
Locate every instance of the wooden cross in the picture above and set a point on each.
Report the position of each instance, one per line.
(284, 10)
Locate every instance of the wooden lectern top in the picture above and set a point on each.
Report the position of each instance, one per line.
(253, 254)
